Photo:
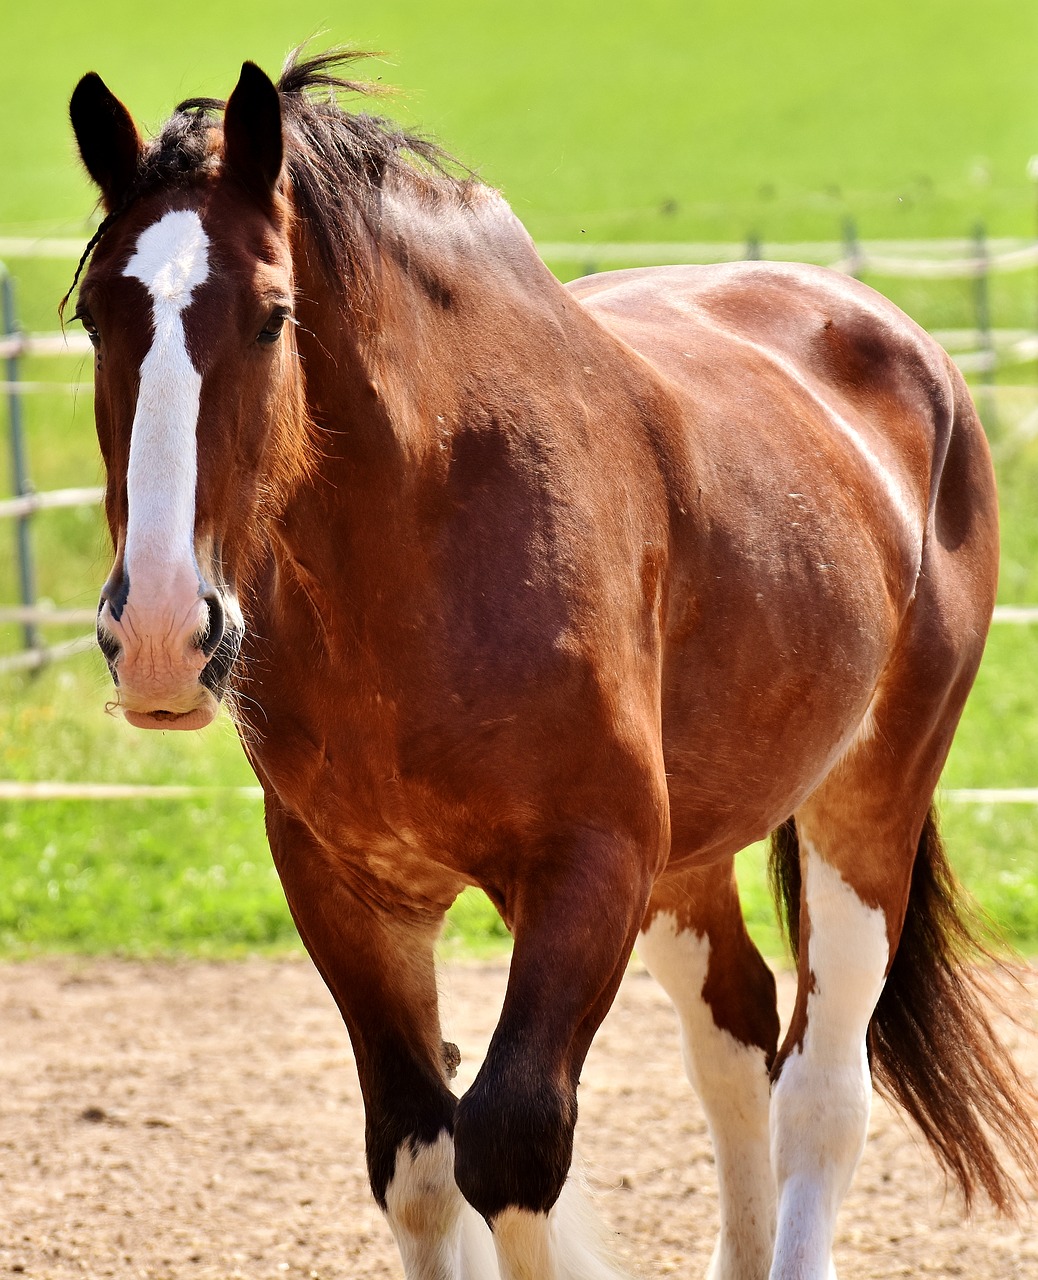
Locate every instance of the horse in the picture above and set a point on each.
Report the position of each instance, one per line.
(568, 593)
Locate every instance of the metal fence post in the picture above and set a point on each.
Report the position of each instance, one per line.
(982, 309)
(851, 248)
(1032, 173)
(19, 463)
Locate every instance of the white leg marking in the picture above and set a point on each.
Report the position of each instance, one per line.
(171, 260)
(731, 1078)
(524, 1245)
(439, 1235)
(820, 1110)
(565, 1244)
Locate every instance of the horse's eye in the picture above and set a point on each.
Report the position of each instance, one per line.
(87, 322)
(271, 331)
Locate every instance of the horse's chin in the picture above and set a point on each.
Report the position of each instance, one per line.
(160, 718)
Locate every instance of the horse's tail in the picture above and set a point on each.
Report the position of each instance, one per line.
(932, 1047)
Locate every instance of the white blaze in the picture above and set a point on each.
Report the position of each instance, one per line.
(171, 260)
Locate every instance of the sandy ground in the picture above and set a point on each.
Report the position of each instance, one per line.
(203, 1121)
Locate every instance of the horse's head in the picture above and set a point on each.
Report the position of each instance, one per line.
(197, 382)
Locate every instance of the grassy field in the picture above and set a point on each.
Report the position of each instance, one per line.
(706, 121)
(666, 121)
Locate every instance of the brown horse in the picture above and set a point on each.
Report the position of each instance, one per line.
(569, 594)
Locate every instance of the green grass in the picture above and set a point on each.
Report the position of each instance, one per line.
(666, 122)
(139, 878)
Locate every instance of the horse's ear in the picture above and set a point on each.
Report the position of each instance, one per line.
(253, 147)
(107, 137)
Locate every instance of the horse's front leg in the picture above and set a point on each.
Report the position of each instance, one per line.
(379, 968)
(574, 915)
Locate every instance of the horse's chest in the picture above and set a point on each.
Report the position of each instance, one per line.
(396, 866)
(347, 790)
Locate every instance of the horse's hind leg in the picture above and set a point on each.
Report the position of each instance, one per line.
(822, 1095)
(695, 945)
(379, 968)
(859, 837)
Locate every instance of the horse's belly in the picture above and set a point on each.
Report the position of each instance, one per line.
(757, 713)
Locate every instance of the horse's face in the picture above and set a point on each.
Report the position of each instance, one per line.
(186, 302)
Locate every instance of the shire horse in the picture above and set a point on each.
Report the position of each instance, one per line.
(569, 593)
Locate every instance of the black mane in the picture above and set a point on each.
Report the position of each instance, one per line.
(335, 159)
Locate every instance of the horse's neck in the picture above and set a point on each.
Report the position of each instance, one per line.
(454, 325)
(456, 356)
(456, 315)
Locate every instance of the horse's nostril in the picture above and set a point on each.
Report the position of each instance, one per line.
(114, 593)
(216, 625)
(107, 643)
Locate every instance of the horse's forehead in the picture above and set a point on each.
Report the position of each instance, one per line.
(188, 259)
(176, 219)
(171, 258)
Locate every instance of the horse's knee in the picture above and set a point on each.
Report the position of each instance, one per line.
(403, 1124)
(514, 1143)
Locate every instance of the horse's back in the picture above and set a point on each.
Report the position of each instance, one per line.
(804, 333)
(791, 309)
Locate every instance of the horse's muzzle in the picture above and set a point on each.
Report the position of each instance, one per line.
(170, 659)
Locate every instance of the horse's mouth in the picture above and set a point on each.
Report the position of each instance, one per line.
(198, 718)
(188, 708)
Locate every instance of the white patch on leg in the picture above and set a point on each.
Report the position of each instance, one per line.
(731, 1078)
(524, 1245)
(171, 260)
(439, 1235)
(821, 1104)
(564, 1244)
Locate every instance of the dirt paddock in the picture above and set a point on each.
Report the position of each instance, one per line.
(203, 1121)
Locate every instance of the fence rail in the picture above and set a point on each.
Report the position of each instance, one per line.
(117, 791)
(46, 615)
(953, 259)
(15, 345)
(29, 614)
(54, 247)
(38, 656)
(14, 790)
(950, 258)
(29, 503)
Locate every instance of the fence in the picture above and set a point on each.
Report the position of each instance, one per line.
(29, 614)
(979, 351)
